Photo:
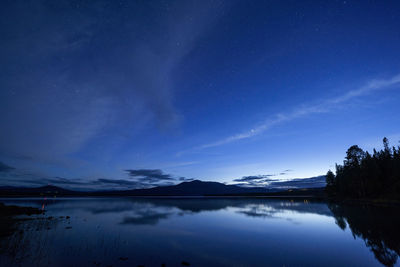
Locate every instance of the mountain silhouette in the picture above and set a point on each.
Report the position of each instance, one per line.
(42, 190)
(196, 188)
(193, 188)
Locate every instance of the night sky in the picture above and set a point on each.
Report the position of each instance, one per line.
(127, 94)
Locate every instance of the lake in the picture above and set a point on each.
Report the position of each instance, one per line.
(201, 232)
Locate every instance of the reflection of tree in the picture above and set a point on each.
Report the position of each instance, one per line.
(378, 226)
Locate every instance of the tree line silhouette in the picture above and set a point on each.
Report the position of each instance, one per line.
(363, 175)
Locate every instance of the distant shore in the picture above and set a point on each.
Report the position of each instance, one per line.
(316, 194)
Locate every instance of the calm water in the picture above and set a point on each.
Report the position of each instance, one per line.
(202, 232)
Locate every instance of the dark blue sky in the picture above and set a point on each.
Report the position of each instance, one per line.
(212, 90)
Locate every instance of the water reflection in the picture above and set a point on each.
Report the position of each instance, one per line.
(149, 216)
(378, 226)
(177, 229)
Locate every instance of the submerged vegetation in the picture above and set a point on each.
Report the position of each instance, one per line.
(9, 221)
(363, 175)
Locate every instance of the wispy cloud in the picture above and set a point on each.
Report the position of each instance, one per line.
(305, 110)
(276, 183)
(252, 178)
(154, 177)
(285, 172)
(261, 179)
(255, 180)
(149, 174)
(121, 83)
(21, 178)
(318, 181)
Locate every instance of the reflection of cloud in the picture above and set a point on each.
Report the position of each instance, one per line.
(278, 209)
(153, 210)
(150, 217)
(258, 211)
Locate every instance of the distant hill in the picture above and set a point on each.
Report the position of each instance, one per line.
(48, 190)
(196, 188)
(193, 188)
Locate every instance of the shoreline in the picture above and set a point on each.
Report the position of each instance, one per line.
(285, 197)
